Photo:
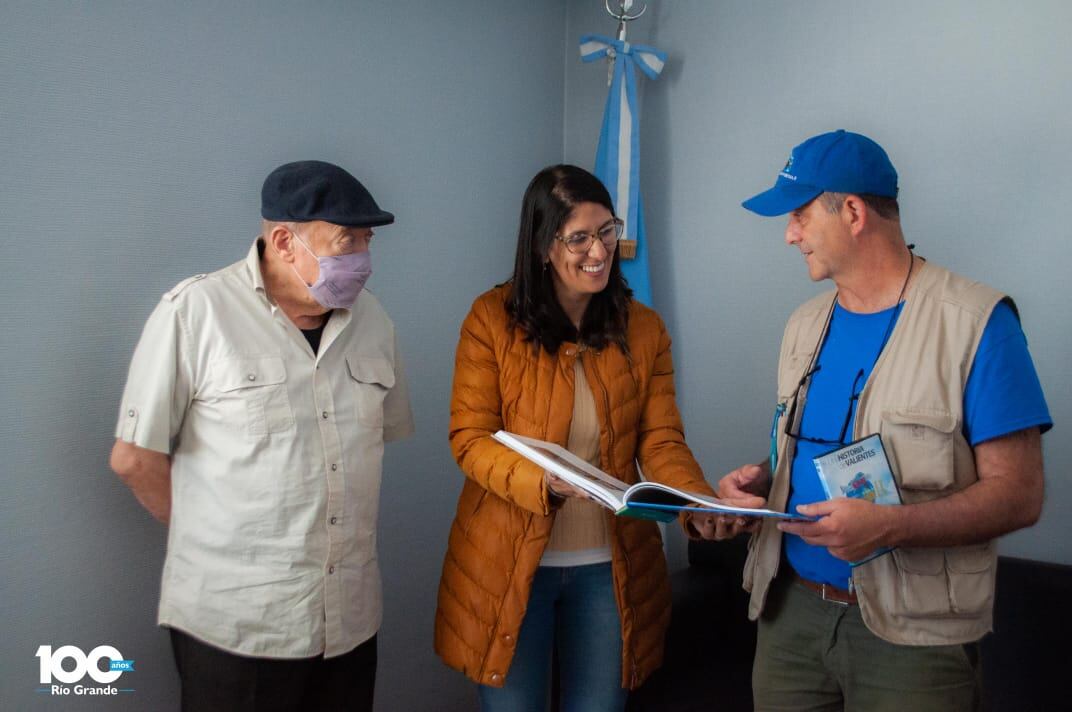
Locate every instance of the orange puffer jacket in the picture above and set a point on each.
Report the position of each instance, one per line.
(504, 517)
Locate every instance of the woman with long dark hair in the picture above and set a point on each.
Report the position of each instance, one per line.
(562, 353)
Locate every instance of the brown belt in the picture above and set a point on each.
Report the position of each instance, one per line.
(828, 592)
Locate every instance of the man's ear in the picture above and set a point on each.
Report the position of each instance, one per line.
(855, 214)
(280, 238)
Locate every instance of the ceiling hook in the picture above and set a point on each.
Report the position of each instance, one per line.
(623, 16)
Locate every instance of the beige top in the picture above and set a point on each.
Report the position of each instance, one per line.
(276, 457)
(580, 535)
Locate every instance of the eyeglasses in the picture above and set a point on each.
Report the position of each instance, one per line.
(780, 410)
(854, 395)
(813, 368)
(580, 242)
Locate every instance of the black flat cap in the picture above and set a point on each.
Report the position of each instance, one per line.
(315, 190)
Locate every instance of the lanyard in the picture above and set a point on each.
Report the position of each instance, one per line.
(781, 408)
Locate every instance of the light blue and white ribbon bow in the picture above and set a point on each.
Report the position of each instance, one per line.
(618, 155)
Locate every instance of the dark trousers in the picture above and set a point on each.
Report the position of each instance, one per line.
(216, 680)
(817, 655)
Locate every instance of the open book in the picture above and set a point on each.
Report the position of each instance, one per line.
(645, 500)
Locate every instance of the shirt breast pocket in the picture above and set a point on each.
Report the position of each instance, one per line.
(253, 390)
(372, 377)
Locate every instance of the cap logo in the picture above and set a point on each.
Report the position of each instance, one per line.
(788, 167)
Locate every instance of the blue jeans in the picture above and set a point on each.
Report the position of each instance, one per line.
(571, 609)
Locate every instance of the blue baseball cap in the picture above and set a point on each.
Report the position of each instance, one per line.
(835, 162)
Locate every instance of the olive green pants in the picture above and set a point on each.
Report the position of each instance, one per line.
(813, 654)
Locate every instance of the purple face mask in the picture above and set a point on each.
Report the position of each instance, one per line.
(341, 279)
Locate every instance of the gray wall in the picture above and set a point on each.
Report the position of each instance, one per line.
(134, 138)
(971, 100)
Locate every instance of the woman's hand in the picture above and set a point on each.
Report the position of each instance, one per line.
(747, 486)
(721, 526)
(562, 489)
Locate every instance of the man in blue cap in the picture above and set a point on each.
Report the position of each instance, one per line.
(938, 367)
(253, 423)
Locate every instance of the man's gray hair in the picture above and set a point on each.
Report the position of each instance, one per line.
(886, 208)
(267, 225)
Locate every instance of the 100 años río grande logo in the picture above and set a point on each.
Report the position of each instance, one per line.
(64, 669)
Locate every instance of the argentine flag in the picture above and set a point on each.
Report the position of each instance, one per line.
(618, 154)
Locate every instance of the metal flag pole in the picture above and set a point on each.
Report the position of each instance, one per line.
(622, 16)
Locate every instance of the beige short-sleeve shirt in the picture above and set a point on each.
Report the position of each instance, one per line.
(276, 457)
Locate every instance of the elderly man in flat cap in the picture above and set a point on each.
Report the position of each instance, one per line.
(253, 422)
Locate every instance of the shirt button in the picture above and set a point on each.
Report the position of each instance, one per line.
(130, 413)
(334, 467)
(331, 569)
(324, 415)
(334, 520)
(252, 377)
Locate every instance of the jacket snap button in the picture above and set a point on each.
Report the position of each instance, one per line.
(508, 638)
(495, 677)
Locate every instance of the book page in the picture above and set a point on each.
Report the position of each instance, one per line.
(660, 496)
(565, 465)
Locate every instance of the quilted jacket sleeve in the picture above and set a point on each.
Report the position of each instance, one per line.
(662, 452)
(476, 414)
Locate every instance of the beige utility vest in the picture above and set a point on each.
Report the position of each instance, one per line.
(914, 397)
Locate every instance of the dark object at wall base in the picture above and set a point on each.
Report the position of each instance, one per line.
(1028, 657)
(711, 642)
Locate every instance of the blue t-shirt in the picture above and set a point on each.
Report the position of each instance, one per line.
(1002, 396)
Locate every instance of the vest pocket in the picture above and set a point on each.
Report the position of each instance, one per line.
(971, 579)
(944, 583)
(919, 445)
(923, 582)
